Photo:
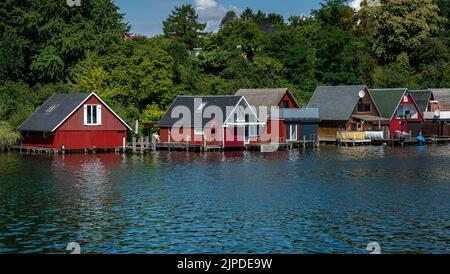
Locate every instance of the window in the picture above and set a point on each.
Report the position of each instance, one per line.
(405, 99)
(92, 115)
(364, 107)
(284, 104)
(52, 108)
(406, 112)
(239, 116)
(291, 132)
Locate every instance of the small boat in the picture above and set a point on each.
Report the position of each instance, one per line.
(421, 139)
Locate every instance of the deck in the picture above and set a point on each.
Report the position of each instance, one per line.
(144, 146)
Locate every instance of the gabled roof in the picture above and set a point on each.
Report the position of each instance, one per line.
(387, 100)
(442, 95)
(57, 109)
(268, 97)
(224, 103)
(422, 98)
(336, 103)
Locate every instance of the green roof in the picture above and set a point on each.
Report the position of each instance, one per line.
(387, 100)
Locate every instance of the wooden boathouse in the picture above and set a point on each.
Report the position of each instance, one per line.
(74, 121)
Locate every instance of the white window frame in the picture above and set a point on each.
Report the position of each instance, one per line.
(98, 113)
(293, 128)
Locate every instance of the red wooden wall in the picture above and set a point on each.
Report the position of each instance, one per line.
(74, 135)
(402, 124)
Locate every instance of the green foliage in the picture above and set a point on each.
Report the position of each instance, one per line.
(183, 25)
(152, 113)
(404, 25)
(12, 56)
(48, 47)
(135, 74)
(8, 136)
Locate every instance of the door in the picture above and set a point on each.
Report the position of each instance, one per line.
(291, 131)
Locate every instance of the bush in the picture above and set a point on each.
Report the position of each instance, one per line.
(8, 136)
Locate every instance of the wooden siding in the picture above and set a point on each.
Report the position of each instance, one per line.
(74, 135)
(76, 121)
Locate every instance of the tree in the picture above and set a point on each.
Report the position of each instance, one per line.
(229, 17)
(183, 25)
(403, 25)
(136, 74)
(335, 13)
(12, 56)
(54, 36)
(240, 35)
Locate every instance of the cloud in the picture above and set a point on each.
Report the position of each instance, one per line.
(211, 13)
(356, 4)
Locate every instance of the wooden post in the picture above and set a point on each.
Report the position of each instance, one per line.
(168, 145)
(142, 145)
(134, 144)
(204, 143)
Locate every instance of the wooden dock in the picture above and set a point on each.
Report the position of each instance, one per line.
(145, 145)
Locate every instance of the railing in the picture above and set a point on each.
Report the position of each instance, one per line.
(360, 135)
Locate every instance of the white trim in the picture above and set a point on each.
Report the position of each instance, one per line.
(291, 127)
(87, 98)
(98, 113)
(398, 104)
(244, 124)
(235, 107)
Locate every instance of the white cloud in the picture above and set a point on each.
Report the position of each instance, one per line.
(211, 12)
(356, 4)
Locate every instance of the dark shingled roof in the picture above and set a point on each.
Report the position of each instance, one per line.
(441, 95)
(267, 97)
(422, 98)
(387, 100)
(298, 114)
(53, 112)
(221, 102)
(336, 103)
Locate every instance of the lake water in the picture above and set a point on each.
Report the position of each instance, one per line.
(322, 200)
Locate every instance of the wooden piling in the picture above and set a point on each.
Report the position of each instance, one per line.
(142, 145)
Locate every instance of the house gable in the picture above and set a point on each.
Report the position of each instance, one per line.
(76, 121)
(114, 121)
(288, 101)
(366, 106)
(336, 103)
(241, 105)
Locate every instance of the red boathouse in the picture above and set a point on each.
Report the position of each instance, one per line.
(225, 121)
(282, 118)
(399, 107)
(74, 121)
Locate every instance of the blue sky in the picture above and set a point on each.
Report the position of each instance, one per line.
(146, 16)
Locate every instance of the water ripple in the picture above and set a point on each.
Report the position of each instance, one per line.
(324, 200)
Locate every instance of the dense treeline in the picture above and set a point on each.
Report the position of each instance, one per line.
(47, 47)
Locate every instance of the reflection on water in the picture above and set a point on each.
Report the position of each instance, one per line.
(300, 201)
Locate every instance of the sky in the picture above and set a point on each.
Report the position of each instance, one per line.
(146, 16)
